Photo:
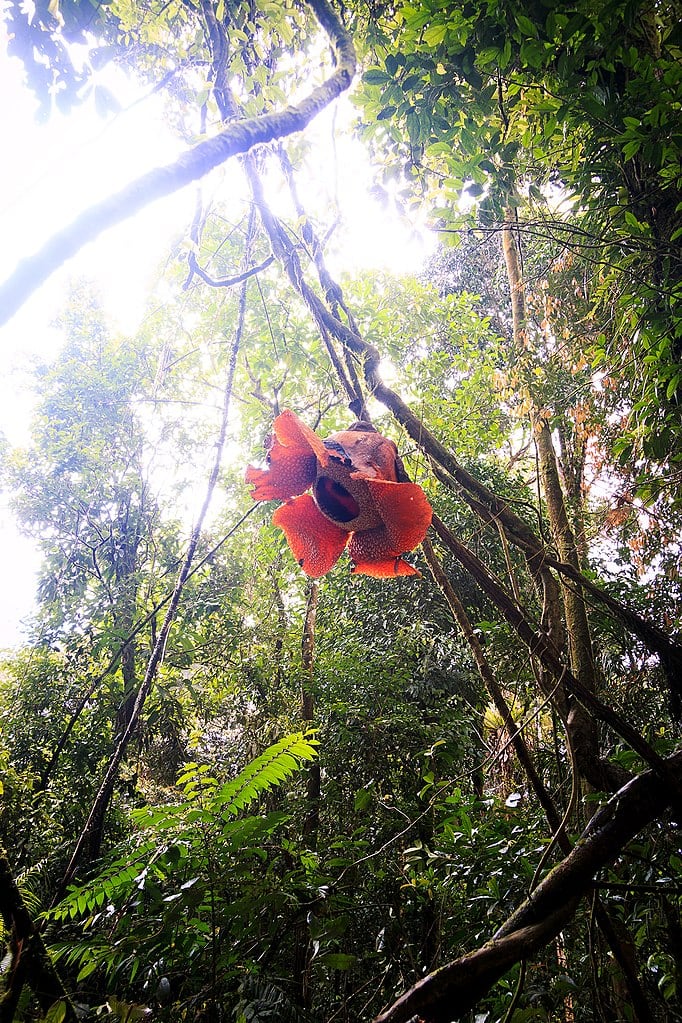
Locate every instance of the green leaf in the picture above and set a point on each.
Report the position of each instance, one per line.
(532, 53)
(435, 34)
(392, 63)
(375, 76)
(337, 960)
(56, 1013)
(272, 767)
(363, 799)
(413, 127)
(439, 148)
(89, 967)
(128, 1012)
(526, 25)
(673, 386)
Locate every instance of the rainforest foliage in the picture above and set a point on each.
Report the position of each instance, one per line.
(232, 792)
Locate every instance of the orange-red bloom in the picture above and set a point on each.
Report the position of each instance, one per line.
(356, 499)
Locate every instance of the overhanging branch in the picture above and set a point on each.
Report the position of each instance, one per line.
(238, 137)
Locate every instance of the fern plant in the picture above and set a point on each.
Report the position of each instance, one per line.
(263, 1002)
(177, 905)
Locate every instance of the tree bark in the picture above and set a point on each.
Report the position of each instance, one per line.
(603, 775)
(453, 990)
(31, 963)
(581, 727)
(488, 677)
(557, 826)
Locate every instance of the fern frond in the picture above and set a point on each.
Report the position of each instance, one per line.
(146, 854)
(272, 767)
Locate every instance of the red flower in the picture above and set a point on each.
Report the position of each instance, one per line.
(356, 500)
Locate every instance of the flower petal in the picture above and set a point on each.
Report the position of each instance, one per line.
(405, 512)
(292, 432)
(287, 475)
(315, 542)
(372, 553)
(384, 569)
(292, 458)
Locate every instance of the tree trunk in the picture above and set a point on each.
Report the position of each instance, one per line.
(581, 726)
(309, 832)
(31, 963)
(312, 821)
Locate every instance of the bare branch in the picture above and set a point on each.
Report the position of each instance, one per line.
(228, 282)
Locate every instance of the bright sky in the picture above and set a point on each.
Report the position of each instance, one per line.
(53, 171)
(47, 175)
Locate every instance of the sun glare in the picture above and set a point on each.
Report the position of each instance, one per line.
(57, 169)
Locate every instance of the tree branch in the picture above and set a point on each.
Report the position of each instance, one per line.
(602, 774)
(238, 137)
(31, 963)
(227, 282)
(454, 989)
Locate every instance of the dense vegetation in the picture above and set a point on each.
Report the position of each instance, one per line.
(230, 792)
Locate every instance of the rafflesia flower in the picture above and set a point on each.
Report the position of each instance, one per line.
(356, 499)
